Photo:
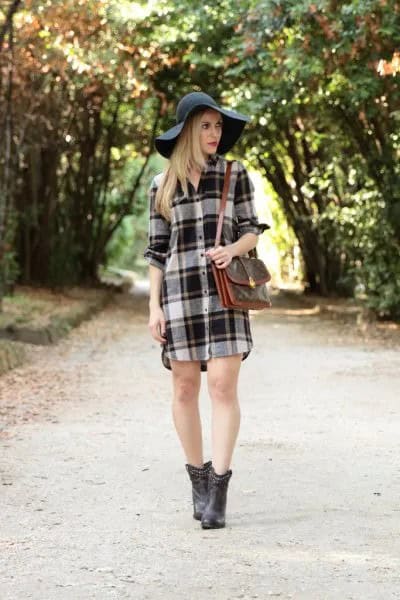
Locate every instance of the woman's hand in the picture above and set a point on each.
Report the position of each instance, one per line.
(222, 255)
(157, 324)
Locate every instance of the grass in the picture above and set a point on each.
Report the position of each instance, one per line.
(35, 307)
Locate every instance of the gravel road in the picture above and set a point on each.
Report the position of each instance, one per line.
(95, 501)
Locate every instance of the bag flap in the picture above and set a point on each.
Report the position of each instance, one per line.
(241, 268)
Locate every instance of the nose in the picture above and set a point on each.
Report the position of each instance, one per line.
(215, 131)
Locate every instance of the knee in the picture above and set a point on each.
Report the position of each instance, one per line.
(186, 389)
(222, 390)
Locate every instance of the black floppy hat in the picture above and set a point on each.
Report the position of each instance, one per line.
(233, 123)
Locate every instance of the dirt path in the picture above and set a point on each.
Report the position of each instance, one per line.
(95, 502)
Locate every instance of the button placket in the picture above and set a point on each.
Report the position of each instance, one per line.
(204, 279)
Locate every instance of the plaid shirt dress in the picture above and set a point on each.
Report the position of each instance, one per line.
(197, 326)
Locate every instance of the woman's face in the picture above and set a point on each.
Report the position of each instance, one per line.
(210, 131)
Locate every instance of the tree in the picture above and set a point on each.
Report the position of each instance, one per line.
(7, 161)
(82, 112)
(7, 26)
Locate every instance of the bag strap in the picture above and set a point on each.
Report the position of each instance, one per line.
(224, 197)
(223, 202)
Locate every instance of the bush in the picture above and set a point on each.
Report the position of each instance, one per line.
(368, 249)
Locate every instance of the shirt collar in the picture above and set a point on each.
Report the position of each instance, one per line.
(212, 159)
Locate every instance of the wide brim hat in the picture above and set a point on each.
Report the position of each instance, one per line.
(233, 123)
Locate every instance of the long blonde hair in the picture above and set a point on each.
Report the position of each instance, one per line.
(185, 156)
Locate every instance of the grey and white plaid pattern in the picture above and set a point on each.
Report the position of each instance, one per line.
(197, 326)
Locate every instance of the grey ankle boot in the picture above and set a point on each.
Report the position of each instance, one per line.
(199, 478)
(214, 512)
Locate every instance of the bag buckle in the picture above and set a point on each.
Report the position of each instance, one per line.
(252, 283)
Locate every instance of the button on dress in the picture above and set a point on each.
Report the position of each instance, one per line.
(198, 327)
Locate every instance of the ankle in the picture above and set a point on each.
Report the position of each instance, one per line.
(225, 476)
(220, 468)
(221, 473)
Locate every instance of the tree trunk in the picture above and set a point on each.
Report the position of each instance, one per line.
(6, 180)
(8, 23)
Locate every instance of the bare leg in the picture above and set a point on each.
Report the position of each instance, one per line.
(222, 378)
(185, 409)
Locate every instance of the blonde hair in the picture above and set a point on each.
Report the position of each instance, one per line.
(185, 156)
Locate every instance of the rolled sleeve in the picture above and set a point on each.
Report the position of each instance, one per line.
(245, 211)
(158, 234)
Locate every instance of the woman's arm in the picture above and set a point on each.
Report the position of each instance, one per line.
(223, 255)
(156, 277)
(249, 228)
(244, 244)
(156, 317)
(156, 254)
(159, 232)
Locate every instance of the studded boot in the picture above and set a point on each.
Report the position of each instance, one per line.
(214, 513)
(199, 478)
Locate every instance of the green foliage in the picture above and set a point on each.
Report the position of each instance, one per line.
(105, 77)
(9, 268)
(127, 244)
(126, 247)
(379, 273)
(368, 248)
(327, 134)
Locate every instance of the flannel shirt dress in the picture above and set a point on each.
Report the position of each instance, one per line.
(198, 327)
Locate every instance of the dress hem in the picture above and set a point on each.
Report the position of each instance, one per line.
(166, 361)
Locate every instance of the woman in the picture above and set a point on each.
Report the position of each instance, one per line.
(196, 333)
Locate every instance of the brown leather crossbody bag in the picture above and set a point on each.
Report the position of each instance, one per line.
(242, 284)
